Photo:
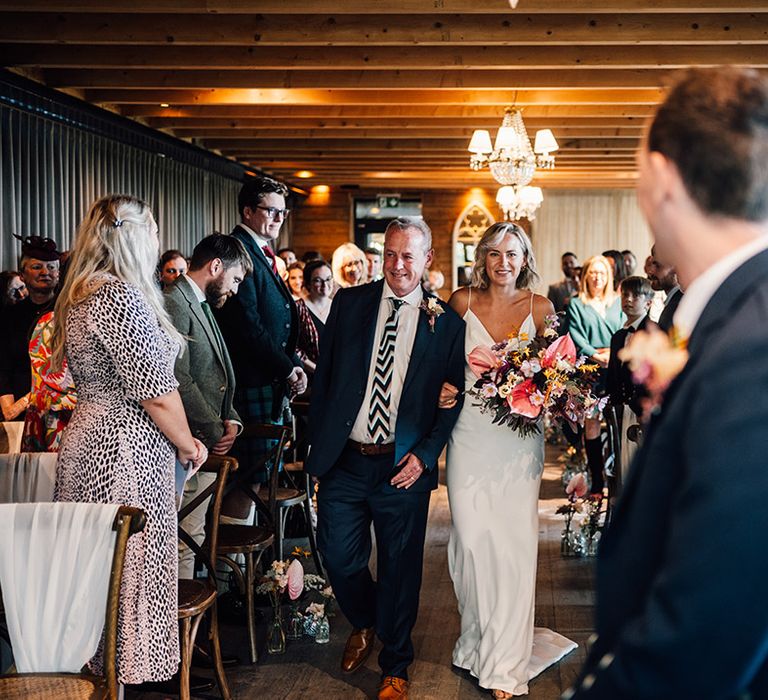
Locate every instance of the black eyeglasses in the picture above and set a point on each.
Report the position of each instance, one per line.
(274, 213)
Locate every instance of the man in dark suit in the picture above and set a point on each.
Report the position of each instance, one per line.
(204, 371)
(681, 607)
(260, 326)
(376, 433)
(663, 278)
(561, 292)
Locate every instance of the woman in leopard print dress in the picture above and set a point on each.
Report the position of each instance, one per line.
(129, 423)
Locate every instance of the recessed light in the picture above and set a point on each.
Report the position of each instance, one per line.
(164, 104)
(304, 174)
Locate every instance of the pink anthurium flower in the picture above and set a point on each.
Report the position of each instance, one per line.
(520, 399)
(295, 579)
(482, 360)
(577, 486)
(562, 349)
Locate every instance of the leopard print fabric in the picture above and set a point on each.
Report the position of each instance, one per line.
(112, 452)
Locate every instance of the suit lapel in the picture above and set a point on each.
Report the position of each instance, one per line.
(259, 258)
(197, 311)
(420, 344)
(370, 315)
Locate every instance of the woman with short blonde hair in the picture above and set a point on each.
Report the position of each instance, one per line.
(349, 265)
(129, 426)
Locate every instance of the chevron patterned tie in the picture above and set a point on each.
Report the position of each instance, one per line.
(381, 391)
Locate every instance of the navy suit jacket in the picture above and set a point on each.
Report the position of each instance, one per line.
(338, 389)
(260, 323)
(681, 594)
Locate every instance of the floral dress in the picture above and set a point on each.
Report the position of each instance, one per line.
(113, 452)
(52, 398)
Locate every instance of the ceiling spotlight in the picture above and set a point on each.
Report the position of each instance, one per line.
(304, 174)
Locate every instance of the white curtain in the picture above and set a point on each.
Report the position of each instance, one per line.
(587, 222)
(50, 173)
(55, 560)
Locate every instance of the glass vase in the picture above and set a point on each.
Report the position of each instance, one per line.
(276, 638)
(323, 633)
(310, 625)
(295, 623)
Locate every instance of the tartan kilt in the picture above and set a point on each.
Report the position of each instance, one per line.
(260, 404)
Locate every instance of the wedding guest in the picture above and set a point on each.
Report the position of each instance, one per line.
(619, 269)
(288, 255)
(296, 280)
(493, 478)
(314, 310)
(434, 281)
(172, 264)
(39, 267)
(129, 425)
(12, 288)
(349, 266)
(664, 279)
(311, 255)
(373, 264)
(593, 317)
(657, 304)
(680, 609)
(561, 292)
(624, 394)
(630, 262)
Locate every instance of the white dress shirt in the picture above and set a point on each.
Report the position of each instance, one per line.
(703, 288)
(259, 242)
(408, 321)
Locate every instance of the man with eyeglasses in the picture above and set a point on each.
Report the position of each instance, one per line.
(39, 268)
(260, 327)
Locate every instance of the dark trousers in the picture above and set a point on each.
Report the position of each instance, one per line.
(355, 493)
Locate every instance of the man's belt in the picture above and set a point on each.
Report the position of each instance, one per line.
(372, 449)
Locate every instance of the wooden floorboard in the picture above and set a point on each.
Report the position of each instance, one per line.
(564, 602)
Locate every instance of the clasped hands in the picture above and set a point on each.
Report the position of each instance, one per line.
(297, 381)
(449, 395)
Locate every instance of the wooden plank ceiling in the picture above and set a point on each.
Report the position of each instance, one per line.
(383, 93)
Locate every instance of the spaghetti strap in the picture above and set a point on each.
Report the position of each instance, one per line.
(531, 310)
(469, 297)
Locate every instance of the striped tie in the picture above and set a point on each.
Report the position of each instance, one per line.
(381, 391)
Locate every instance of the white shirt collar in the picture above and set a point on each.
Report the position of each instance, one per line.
(259, 241)
(703, 288)
(671, 293)
(412, 299)
(199, 293)
(635, 324)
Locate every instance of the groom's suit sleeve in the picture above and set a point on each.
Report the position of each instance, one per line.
(321, 382)
(703, 632)
(429, 449)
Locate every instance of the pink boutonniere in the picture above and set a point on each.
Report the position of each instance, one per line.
(431, 306)
(655, 359)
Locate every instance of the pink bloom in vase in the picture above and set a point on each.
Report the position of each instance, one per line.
(562, 349)
(295, 579)
(577, 486)
(482, 360)
(520, 400)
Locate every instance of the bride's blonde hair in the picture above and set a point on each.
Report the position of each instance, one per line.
(118, 236)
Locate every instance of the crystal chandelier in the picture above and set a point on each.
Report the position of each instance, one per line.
(511, 160)
(519, 203)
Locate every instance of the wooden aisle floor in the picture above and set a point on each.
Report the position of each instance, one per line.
(564, 602)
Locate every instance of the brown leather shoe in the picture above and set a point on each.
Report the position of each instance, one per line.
(393, 688)
(358, 649)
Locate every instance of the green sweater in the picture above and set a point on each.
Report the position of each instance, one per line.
(589, 329)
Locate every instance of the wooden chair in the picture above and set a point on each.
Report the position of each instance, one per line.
(69, 686)
(252, 540)
(196, 596)
(611, 438)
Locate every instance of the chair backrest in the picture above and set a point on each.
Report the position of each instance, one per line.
(222, 467)
(28, 477)
(60, 572)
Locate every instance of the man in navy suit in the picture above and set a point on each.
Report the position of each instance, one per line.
(681, 609)
(376, 434)
(260, 326)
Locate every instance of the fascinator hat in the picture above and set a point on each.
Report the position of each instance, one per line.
(38, 247)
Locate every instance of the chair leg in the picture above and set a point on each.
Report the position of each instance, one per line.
(311, 536)
(218, 666)
(282, 517)
(186, 658)
(249, 603)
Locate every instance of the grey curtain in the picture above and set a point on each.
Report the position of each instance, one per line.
(50, 172)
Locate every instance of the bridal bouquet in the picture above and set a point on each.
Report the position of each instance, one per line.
(522, 379)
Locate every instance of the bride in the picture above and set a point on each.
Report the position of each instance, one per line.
(493, 477)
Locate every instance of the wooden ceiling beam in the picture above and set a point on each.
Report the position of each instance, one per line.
(350, 126)
(533, 79)
(455, 58)
(290, 134)
(322, 30)
(377, 7)
(501, 98)
(407, 112)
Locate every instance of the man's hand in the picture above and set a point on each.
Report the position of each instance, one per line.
(412, 469)
(297, 381)
(224, 445)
